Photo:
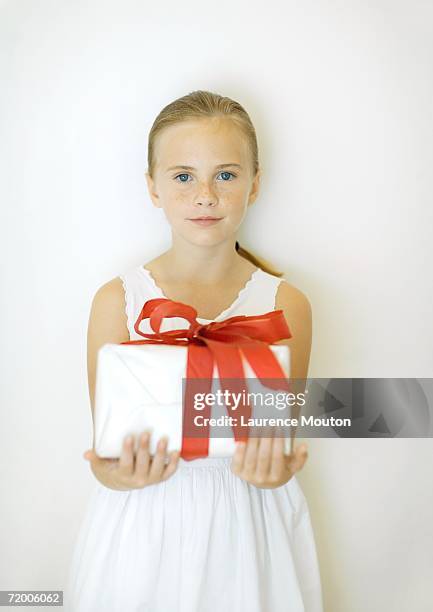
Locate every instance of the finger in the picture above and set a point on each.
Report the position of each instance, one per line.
(100, 463)
(171, 465)
(158, 461)
(238, 457)
(301, 457)
(250, 459)
(142, 459)
(264, 454)
(92, 457)
(281, 432)
(277, 460)
(298, 458)
(126, 461)
(88, 454)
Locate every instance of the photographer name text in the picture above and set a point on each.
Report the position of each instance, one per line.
(231, 421)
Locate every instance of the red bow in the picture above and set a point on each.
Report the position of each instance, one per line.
(220, 342)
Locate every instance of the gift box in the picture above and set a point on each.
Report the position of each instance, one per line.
(147, 385)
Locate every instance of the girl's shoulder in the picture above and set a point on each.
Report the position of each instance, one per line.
(108, 305)
(294, 303)
(111, 292)
(289, 295)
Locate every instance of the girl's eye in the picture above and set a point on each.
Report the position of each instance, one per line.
(227, 174)
(179, 175)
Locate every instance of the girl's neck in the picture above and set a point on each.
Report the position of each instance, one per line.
(173, 265)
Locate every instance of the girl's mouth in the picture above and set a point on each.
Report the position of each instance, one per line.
(205, 222)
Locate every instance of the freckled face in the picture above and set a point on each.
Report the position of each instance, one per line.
(218, 182)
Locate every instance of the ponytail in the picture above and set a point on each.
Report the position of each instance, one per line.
(257, 261)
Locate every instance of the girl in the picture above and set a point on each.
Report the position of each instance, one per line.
(214, 534)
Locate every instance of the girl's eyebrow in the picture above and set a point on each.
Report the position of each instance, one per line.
(192, 168)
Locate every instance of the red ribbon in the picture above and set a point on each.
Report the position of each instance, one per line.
(220, 342)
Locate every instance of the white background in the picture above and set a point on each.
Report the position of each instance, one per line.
(340, 93)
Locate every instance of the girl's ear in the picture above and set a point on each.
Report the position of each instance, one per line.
(254, 192)
(151, 188)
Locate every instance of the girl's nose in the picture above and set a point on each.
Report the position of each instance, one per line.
(205, 195)
(205, 202)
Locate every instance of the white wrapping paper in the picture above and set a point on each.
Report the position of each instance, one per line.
(139, 388)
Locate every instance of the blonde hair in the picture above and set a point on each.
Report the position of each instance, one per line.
(199, 104)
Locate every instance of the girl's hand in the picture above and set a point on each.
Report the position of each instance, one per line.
(129, 472)
(262, 462)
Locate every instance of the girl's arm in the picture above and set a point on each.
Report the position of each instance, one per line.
(262, 462)
(108, 324)
(297, 312)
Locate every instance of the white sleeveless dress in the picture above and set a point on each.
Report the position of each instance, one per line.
(204, 540)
